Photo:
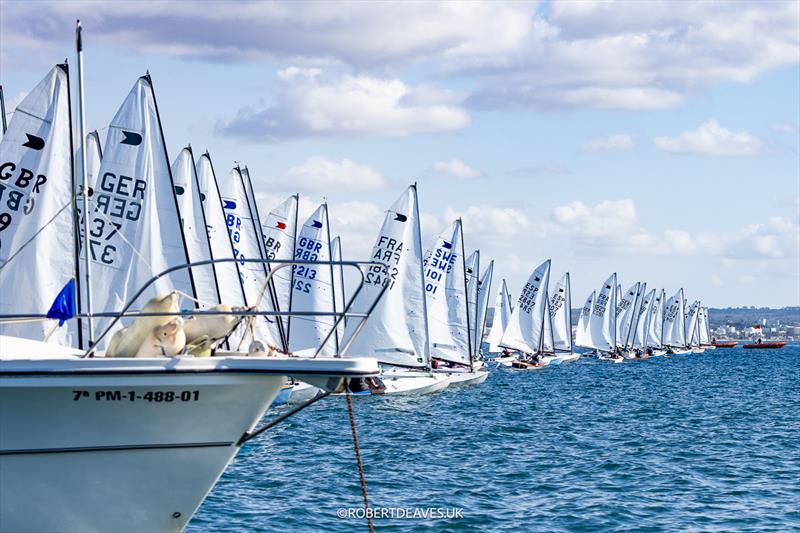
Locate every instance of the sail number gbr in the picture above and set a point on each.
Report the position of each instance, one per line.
(134, 396)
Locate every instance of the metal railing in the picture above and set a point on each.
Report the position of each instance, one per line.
(274, 266)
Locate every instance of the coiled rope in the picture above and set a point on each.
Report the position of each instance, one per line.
(357, 450)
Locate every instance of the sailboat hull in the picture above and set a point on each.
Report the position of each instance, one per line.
(130, 444)
(466, 379)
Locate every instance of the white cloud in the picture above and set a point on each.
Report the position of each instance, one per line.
(712, 139)
(455, 168)
(790, 129)
(308, 104)
(320, 175)
(595, 54)
(612, 143)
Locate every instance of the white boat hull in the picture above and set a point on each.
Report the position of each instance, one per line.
(505, 361)
(466, 378)
(130, 444)
(302, 392)
(567, 357)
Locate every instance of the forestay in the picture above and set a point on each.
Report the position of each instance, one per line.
(312, 289)
(134, 227)
(561, 315)
(446, 290)
(603, 320)
(525, 331)
(227, 273)
(193, 223)
(502, 313)
(279, 231)
(396, 332)
(36, 188)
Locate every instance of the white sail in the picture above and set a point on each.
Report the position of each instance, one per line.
(582, 335)
(603, 320)
(134, 227)
(340, 300)
(396, 332)
(484, 290)
(279, 231)
(312, 289)
(561, 314)
(692, 316)
(227, 274)
(548, 344)
(243, 234)
(655, 330)
(702, 326)
(94, 157)
(473, 266)
(525, 331)
(446, 290)
(626, 308)
(36, 187)
(193, 223)
(643, 320)
(674, 319)
(502, 313)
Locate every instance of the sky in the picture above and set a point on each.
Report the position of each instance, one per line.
(658, 140)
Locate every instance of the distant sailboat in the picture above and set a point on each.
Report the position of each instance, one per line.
(674, 336)
(655, 330)
(583, 337)
(526, 328)
(602, 327)
(397, 332)
(561, 317)
(279, 232)
(312, 289)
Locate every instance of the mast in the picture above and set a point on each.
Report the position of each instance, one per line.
(84, 184)
(333, 281)
(3, 109)
(634, 315)
(294, 246)
(427, 354)
(205, 224)
(466, 294)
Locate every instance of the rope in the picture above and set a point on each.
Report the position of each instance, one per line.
(26, 243)
(357, 450)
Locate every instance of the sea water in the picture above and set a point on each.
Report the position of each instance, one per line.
(701, 442)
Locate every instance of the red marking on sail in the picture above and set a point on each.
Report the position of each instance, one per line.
(281, 225)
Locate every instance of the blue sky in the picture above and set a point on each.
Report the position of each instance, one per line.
(655, 139)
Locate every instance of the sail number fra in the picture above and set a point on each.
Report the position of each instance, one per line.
(132, 396)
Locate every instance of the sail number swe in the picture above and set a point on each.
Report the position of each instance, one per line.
(133, 396)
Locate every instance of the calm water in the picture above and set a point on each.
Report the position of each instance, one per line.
(705, 442)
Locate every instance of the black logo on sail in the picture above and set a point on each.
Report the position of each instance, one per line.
(33, 142)
(132, 138)
(400, 218)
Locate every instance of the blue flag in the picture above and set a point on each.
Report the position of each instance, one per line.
(63, 307)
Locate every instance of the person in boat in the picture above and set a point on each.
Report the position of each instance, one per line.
(376, 385)
(649, 351)
(713, 340)
(759, 340)
(358, 385)
(668, 349)
(506, 353)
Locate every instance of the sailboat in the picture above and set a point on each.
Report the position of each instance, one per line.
(674, 329)
(705, 333)
(500, 318)
(397, 332)
(450, 314)
(526, 328)
(655, 330)
(644, 315)
(693, 327)
(163, 429)
(560, 309)
(601, 327)
(582, 336)
(627, 310)
(484, 290)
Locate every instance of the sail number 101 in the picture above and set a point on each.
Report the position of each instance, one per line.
(133, 396)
